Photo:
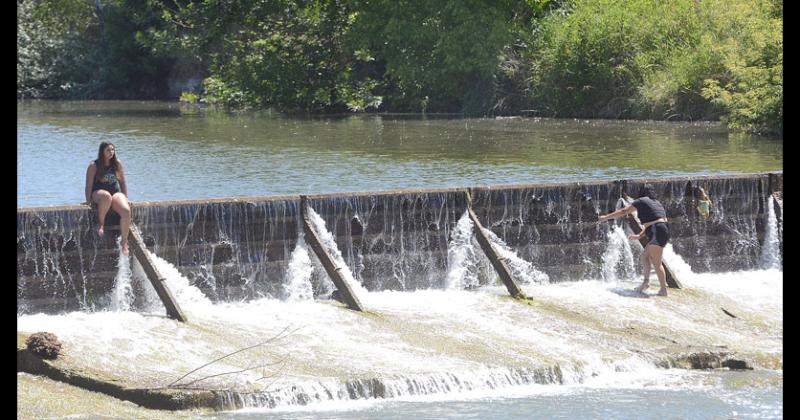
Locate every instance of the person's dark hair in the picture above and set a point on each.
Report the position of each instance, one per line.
(647, 191)
(101, 169)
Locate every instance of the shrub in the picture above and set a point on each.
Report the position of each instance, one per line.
(44, 344)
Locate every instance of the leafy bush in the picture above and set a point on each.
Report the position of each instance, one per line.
(189, 97)
(44, 344)
(682, 59)
(751, 87)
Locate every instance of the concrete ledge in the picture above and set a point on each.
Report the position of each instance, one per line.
(59, 255)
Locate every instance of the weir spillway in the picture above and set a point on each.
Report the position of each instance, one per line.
(240, 248)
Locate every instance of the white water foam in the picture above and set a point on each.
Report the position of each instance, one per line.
(676, 263)
(462, 257)
(770, 251)
(333, 250)
(618, 261)
(188, 296)
(522, 270)
(122, 294)
(148, 301)
(427, 344)
(298, 273)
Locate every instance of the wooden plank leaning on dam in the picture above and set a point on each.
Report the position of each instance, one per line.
(156, 279)
(334, 271)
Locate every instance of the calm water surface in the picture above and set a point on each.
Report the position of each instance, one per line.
(172, 152)
(578, 403)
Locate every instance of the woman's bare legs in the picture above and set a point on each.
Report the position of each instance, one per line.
(120, 204)
(656, 252)
(645, 260)
(103, 200)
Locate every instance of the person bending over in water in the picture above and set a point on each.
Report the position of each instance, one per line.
(106, 187)
(654, 220)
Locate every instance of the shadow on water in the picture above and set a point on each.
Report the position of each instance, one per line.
(630, 293)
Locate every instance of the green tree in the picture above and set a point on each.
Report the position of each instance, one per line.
(437, 56)
(284, 54)
(751, 86)
(56, 54)
(683, 59)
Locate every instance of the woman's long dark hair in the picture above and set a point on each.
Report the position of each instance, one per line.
(98, 163)
(646, 191)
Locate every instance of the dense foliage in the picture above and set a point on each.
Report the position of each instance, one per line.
(683, 59)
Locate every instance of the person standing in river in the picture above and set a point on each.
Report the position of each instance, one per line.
(654, 222)
(106, 188)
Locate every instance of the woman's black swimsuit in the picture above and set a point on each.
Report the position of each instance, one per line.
(649, 210)
(107, 181)
(658, 233)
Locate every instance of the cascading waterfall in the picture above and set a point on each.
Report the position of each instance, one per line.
(298, 273)
(770, 251)
(149, 301)
(314, 392)
(522, 270)
(123, 290)
(422, 341)
(618, 260)
(676, 263)
(330, 244)
(462, 257)
(387, 349)
(187, 295)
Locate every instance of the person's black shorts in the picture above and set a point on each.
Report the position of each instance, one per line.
(658, 233)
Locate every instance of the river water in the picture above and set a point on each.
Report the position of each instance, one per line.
(435, 353)
(172, 152)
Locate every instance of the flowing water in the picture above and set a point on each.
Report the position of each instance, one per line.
(178, 153)
(580, 349)
(452, 353)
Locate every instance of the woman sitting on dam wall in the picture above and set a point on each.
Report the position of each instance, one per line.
(106, 189)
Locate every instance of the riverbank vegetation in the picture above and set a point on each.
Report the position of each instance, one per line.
(644, 59)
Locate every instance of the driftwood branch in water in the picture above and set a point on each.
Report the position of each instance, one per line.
(177, 385)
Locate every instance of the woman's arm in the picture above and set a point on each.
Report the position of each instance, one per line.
(621, 212)
(637, 236)
(90, 171)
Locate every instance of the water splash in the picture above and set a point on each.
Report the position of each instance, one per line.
(187, 295)
(618, 261)
(462, 267)
(770, 251)
(315, 393)
(676, 263)
(522, 270)
(122, 295)
(147, 298)
(330, 245)
(298, 273)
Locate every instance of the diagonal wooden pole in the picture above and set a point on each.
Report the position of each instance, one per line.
(334, 272)
(156, 279)
(498, 262)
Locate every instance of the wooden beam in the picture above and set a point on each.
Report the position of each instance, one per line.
(156, 279)
(497, 261)
(334, 272)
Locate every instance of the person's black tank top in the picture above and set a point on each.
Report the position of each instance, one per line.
(648, 209)
(107, 180)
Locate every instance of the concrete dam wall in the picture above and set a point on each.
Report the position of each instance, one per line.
(241, 248)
